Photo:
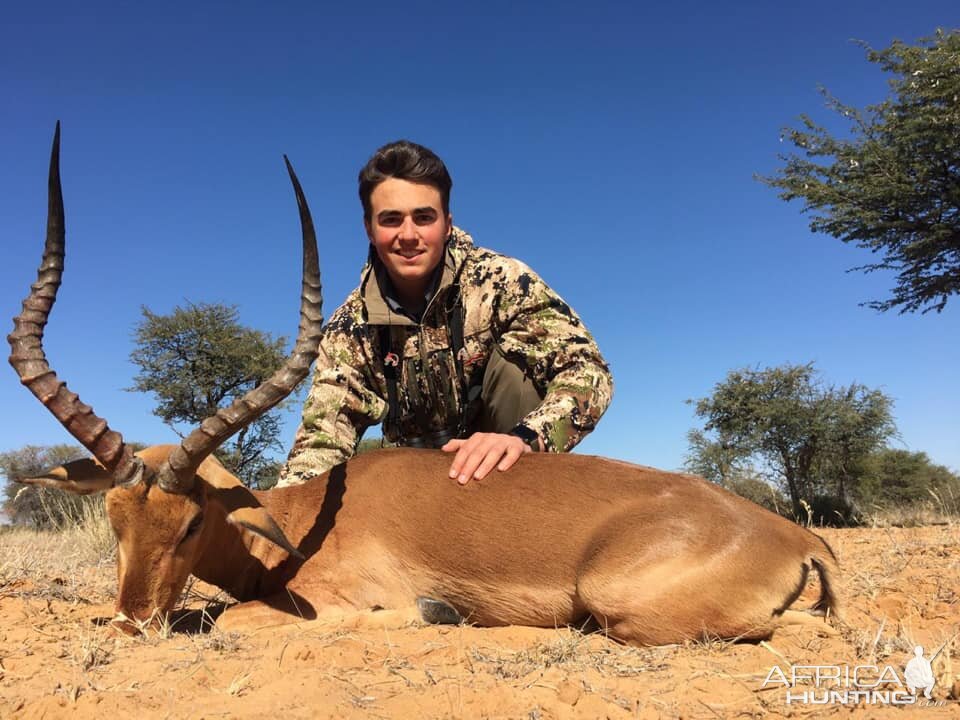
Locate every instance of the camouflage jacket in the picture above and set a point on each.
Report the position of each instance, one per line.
(505, 304)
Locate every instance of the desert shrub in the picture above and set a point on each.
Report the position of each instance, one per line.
(894, 477)
(374, 443)
(758, 491)
(831, 511)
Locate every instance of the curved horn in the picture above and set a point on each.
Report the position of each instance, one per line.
(30, 362)
(177, 473)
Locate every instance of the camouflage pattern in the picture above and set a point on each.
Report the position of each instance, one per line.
(505, 303)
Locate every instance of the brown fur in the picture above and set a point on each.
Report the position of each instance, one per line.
(652, 557)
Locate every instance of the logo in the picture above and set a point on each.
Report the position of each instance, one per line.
(857, 684)
(468, 360)
(919, 673)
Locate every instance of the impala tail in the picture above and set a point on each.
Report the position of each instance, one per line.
(829, 603)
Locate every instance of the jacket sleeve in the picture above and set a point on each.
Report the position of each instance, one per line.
(539, 331)
(341, 404)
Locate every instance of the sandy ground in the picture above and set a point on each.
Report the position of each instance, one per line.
(57, 659)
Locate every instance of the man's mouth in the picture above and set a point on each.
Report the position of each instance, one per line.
(409, 254)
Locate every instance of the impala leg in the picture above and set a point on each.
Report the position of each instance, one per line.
(629, 585)
(685, 587)
(376, 619)
(289, 608)
(806, 619)
(673, 603)
(282, 609)
(638, 617)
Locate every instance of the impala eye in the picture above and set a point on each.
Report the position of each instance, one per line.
(195, 526)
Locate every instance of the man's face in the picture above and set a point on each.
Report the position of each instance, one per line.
(408, 229)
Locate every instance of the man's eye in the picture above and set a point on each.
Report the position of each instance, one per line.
(390, 220)
(425, 218)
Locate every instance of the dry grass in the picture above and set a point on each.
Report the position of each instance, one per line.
(65, 565)
(918, 515)
(941, 508)
(81, 536)
(92, 647)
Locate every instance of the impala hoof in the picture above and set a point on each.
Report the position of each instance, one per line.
(437, 612)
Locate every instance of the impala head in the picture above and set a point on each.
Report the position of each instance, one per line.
(157, 500)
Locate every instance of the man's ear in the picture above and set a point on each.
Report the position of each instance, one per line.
(80, 477)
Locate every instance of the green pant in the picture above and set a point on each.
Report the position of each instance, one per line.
(506, 397)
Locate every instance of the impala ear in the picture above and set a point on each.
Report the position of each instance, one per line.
(80, 477)
(244, 510)
(257, 520)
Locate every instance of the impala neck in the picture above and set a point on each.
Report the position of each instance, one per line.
(248, 566)
(227, 558)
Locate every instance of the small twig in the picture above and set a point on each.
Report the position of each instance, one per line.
(715, 713)
(769, 648)
(876, 639)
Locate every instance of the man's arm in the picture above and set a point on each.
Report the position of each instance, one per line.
(544, 335)
(536, 329)
(339, 407)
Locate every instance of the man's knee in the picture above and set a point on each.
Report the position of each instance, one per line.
(507, 396)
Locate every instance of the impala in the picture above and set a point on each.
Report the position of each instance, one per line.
(649, 557)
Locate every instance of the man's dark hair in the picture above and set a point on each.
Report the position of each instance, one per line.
(404, 160)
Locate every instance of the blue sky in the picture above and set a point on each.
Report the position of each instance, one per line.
(612, 146)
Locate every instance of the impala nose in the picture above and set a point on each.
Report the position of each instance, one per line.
(130, 626)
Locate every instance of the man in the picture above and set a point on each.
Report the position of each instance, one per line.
(449, 345)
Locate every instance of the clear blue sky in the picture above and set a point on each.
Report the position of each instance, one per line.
(611, 146)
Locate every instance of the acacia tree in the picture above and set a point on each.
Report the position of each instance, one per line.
(720, 460)
(724, 462)
(810, 436)
(200, 358)
(892, 186)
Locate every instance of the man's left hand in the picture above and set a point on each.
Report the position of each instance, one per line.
(478, 454)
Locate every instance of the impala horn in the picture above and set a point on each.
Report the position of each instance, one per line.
(177, 474)
(30, 362)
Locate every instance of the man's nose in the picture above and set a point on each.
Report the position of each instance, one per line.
(408, 229)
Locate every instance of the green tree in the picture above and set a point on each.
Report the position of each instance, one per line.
(727, 464)
(895, 477)
(810, 437)
(720, 461)
(892, 186)
(200, 358)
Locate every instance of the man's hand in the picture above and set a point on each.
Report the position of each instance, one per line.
(481, 452)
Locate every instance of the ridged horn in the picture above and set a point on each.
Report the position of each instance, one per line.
(178, 472)
(30, 361)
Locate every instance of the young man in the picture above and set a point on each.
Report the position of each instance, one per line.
(447, 344)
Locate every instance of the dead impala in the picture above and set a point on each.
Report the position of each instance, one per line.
(648, 556)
